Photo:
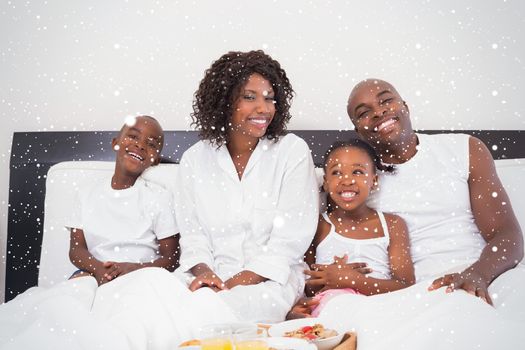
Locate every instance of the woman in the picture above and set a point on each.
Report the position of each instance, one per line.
(248, 202)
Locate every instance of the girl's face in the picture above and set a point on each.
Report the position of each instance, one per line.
(254, 109)
(349, 177)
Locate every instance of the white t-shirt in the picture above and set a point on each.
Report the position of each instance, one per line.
(124, 225)
(263, 223)
(431, 193)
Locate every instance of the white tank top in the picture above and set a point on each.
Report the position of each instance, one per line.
(431, 193)
(373, 251)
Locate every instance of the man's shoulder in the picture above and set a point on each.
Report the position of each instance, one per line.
(444, 137)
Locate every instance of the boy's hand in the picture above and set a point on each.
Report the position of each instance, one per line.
(115, 269)
(302, 308)
(207, 279)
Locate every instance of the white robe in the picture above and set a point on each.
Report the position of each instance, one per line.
(263, 222)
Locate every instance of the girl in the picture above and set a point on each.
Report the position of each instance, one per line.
(349, 229)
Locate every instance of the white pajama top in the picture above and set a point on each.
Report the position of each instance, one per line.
(263, 222)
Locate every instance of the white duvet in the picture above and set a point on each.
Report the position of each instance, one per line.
(151, 309)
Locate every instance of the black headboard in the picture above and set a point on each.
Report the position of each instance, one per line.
(33, 153)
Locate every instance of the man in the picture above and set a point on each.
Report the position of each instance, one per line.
(447, 189)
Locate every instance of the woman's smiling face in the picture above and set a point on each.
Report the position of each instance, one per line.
(254, 108)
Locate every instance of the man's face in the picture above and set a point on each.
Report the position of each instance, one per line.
(378, 113)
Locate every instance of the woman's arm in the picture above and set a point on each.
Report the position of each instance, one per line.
(296, 217)
(194, 245)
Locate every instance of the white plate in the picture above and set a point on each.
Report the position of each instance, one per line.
(278, 330)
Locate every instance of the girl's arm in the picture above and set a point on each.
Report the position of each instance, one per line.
(402, 270)
(401, 265)
(323, 228)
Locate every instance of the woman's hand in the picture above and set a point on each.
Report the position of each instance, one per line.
(114, 269)
(302, 308)
(337, 275)
(244, 278)
(207, 279)
(469, 280)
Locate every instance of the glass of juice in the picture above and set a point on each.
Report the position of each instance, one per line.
(247, 338)
(216, 337)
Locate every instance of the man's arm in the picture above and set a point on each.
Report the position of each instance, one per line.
(497, 223)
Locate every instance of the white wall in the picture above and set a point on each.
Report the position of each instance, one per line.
(85, 65)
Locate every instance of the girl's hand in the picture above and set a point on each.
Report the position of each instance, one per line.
(302, 308)
(469, 280)
(336, 275)
(207, 279)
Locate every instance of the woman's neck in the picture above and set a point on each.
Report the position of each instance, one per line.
(239, 144)
(399, 152)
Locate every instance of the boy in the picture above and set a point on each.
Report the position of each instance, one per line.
(126, 223)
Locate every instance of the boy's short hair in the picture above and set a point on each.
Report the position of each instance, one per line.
(127, 125)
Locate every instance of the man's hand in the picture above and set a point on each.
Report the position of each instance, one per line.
(469, 280)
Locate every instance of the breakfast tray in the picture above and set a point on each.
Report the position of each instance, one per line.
(349, 342)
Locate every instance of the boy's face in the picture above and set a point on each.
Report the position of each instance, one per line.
(378, 113)
(349, 177)
(138, 146)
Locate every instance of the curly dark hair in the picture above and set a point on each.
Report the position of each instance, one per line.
(360, 144)
(221, 86)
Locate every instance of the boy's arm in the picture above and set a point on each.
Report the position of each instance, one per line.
(169, 254)
(168, 259)
(82, 258)
(497, 223)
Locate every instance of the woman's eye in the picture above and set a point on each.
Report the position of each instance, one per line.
(249, 97)
(336, 173)
(270, 98)
(358, 172)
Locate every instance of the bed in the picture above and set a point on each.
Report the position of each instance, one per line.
(46, 167)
